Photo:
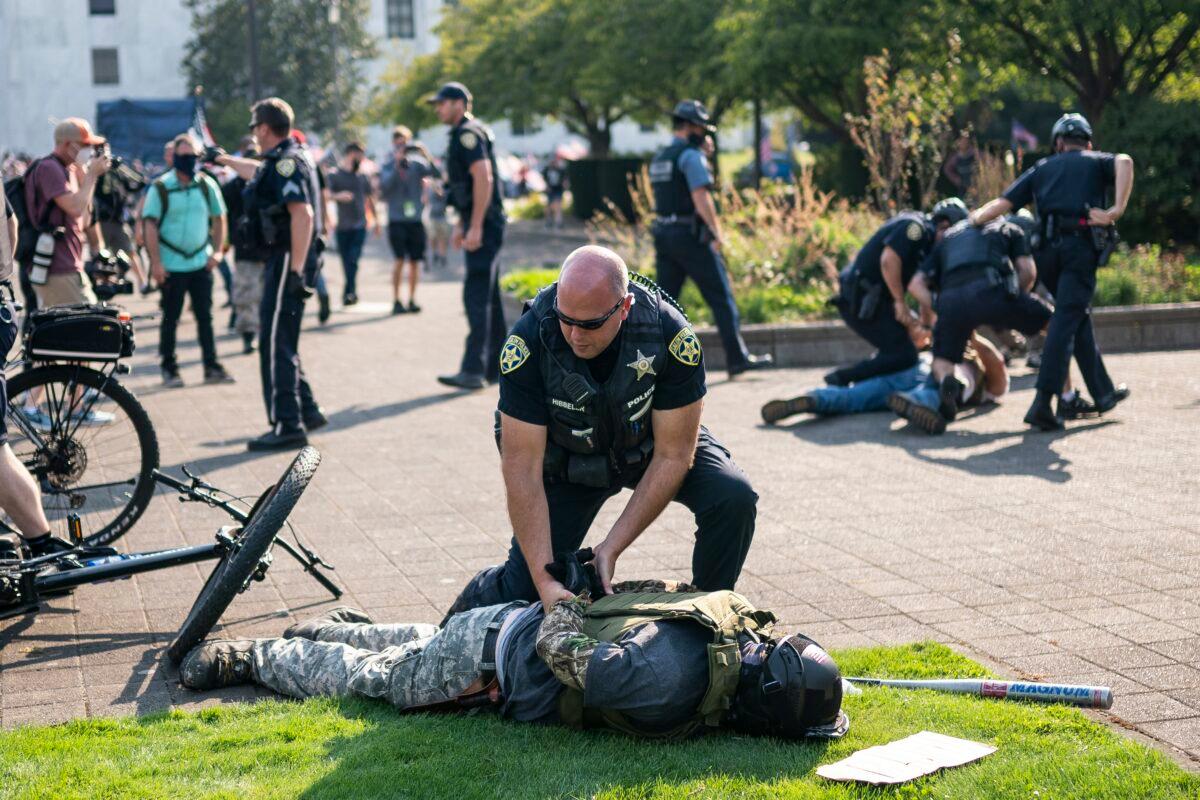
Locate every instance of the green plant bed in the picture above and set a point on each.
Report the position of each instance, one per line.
(1145, 275)
(358, 749)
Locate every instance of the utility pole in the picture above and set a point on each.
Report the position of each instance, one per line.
(335, 17)
(252, 43)
(758, 134)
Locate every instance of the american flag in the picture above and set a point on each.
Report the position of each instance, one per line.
(1023, 136)
(199, 128)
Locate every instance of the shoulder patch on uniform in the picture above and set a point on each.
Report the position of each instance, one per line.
(513, 354)
(285, 167)
(915, 231)
(468, 139)
(686, 347)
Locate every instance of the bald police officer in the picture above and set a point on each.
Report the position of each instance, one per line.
(687, 233)
(1069, 189)
(871, 296)
(601, 389)
(473, 188)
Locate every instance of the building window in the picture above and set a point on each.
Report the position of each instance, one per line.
(648, 128)
(105, 7)
(104, 66)
(400, 21)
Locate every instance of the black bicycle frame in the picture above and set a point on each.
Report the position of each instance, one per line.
(131, 564)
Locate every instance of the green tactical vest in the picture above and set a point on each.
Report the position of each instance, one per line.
(724, 613)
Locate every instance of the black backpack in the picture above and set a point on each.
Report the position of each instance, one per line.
(27, 230)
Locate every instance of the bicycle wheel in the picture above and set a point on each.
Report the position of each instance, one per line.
(89, 444)
(232, 573)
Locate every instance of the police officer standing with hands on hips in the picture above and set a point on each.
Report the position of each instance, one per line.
(473, 186)
(281, 214)
(1077, 236)
(871, 297)
(601, 388)
(687, 232)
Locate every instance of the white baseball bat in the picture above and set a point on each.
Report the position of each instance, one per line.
(1086, 696)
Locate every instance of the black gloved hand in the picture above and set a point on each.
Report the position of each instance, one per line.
(296, 287)
(576, 572)
(211, 154)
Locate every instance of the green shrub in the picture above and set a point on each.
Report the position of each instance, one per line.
(525, 282)
(530, 207)
(1144, 274)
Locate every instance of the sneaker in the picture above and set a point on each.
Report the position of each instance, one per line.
(38, 419)
(217, 374)
(94, 418)
(171, 378)
(463, 380)
(212, 665)
(283, 440)
(924, 417)
(350, 299)
(1076, 408)
(309, 628)
(398, 308)
(413, 308)
(776, 410)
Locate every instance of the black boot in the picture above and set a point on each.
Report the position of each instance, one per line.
(1041, 413)
(949, 391)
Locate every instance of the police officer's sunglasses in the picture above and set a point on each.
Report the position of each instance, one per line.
(587, 324)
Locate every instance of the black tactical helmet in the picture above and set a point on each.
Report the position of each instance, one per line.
(952, 209)
(1071, 126)
(694, 111)
(793, 692)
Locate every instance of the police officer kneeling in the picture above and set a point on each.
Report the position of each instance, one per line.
(601, 388)
(1077, 236)
(983, 277)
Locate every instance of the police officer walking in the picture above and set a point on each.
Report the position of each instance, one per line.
(871, 296)
(1069, 189)
(983, 277)
(281, 217)
(601, 388)
(687, 232)
(473, 186)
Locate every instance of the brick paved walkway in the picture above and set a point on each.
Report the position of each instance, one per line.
(1071, 557)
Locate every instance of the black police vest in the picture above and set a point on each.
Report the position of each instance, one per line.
(671, 193)
(1069, 183)
(965, 248)
(460, 184)
(264, 227)
(611, 426)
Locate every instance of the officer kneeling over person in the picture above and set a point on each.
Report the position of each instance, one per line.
(656, 659)
(601, 388)
(983, 277)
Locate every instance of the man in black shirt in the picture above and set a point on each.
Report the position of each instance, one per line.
(601, 388)
(1070, 190)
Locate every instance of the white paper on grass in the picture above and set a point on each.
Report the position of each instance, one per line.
(906, 759)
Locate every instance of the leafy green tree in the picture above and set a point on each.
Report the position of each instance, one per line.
(1101, 52)
(296, 46)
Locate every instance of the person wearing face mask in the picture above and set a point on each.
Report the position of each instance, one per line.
(687, 233)
(58, 193)
(184, 218)
(351, 190)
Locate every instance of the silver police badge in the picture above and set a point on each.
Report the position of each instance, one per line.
(642, 365)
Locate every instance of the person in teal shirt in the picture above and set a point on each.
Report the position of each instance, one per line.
(187, 233)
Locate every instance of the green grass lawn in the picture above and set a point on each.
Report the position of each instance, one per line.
(352, 749)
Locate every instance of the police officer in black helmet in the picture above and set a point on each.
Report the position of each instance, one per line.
(280, 218)
(871, 295)
(687, 233)
(473, 188)
(1069, 189)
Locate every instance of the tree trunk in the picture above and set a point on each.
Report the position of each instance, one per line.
(599, 141)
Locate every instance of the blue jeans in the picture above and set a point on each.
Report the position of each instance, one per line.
(350, 247)
(925, 394)
(870, 394)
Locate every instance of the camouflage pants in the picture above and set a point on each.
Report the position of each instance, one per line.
(247, 294)
(407, 665)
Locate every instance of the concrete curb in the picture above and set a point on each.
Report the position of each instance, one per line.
(1119, 329)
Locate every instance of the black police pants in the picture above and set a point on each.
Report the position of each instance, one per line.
(679, 255)
(715, 490)
(894, 349)
(964, 308)
(286, 392)
(481, 298)
(198, 285)
(1068, 268)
